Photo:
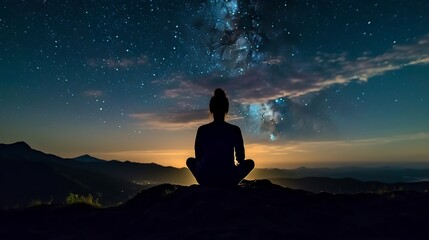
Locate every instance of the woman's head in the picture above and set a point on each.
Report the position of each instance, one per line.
(219, 104)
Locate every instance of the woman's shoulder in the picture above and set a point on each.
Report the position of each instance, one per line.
(205, 127)
(202, 127)
(232, 126)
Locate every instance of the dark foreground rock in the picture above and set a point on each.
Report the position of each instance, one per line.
(254, 210)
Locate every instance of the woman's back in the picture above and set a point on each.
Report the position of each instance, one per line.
(215, 144)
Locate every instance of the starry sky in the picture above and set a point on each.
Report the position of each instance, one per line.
(310, 83)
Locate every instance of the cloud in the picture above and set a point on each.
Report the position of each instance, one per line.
(182, 90)
(314, 146)
(117, 63)
(165, 157)
(421, 136)
(386, 150)
(366, 66)
(178, 120)
(255, 92)
(93, 93)
(277, 77)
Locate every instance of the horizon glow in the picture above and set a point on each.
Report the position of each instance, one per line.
(310, 83)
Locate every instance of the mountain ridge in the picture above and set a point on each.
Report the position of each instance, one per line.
(87, 159)
(302, 171)
(46, 177)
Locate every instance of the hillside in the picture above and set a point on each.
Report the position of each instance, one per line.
(28, 175)
(253, 210)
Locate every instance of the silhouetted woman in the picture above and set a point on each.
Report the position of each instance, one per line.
(215, 144)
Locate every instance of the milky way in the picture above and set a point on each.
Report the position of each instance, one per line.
(236, 39)
(254, 44)
(293, 70)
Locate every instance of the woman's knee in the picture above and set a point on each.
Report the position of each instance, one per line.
(190, 162)
(249, 163)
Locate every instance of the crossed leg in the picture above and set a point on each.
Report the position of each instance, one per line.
(243, 169)
(192, 164)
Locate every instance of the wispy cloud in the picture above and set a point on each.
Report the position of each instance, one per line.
(384, 140)
(165, 157)
(149, 153)
(182, 89)
(271, 149)
(280, 78)
(178, 120)
(367, 151)
(255, 92)
(93, 93)
(362, 143)
(368, 66)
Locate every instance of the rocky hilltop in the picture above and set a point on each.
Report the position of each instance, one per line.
(254, 210)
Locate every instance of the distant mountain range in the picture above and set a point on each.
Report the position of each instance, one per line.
(380, 174)
(30, 175)
(348, 185)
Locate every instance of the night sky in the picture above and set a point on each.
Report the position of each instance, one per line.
(310, 83)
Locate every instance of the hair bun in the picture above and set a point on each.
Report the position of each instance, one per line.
(219, 93)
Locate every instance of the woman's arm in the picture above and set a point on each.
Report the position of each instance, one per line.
(239, 146)
(198, 145)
